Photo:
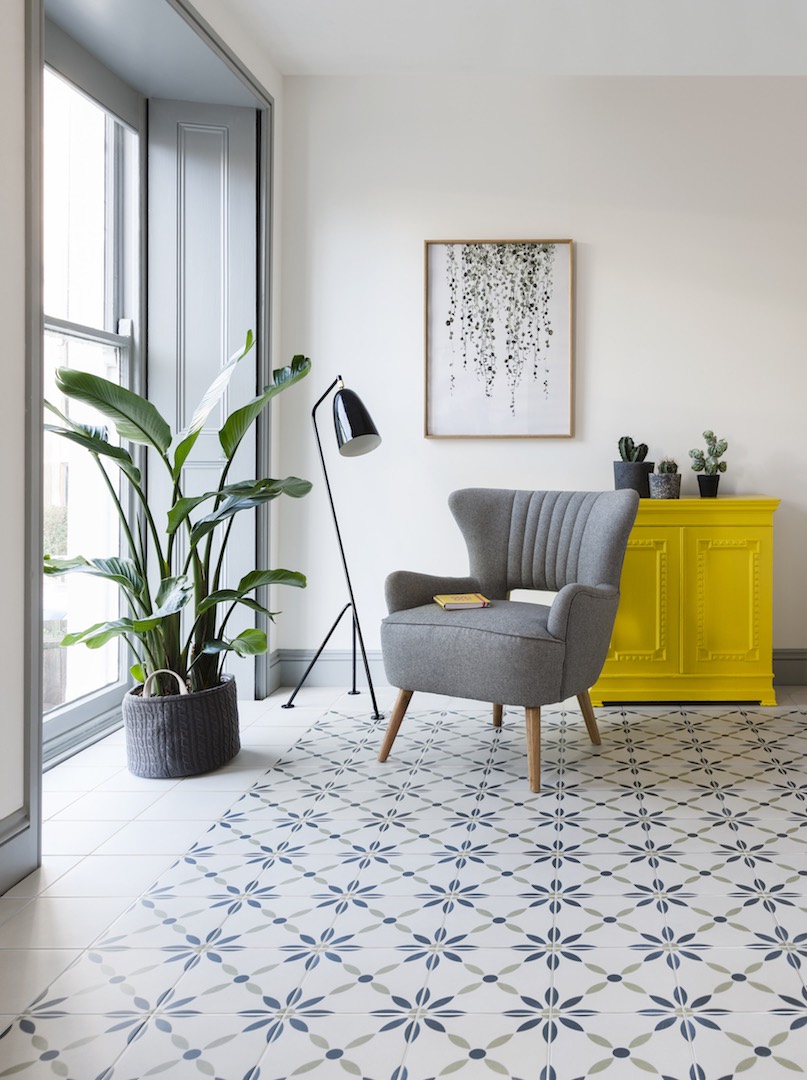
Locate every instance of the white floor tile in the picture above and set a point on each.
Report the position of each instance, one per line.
(107, 806)
(153, 837)
(76, 837)
(182, 804)
(12, 905)
(52, 868)
(82, 778)
(53, 802)
(58, 922)
(110, 875)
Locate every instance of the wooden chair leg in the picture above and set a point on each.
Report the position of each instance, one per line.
(401, 703)
(534, 747)
(587, 709)
(498, 711)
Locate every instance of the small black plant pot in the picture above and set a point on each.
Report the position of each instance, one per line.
(708, 485)
(633, 475)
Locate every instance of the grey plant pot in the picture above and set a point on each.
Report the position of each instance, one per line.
(633, 475)
(181, 734)
(665, 486)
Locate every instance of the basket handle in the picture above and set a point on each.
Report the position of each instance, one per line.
(148, 684)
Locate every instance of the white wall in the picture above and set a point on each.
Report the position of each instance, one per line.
(686, 200)
(12, 373)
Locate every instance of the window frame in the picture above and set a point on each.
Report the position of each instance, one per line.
(80, 722)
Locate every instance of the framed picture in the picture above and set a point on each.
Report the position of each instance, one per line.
(498, 338)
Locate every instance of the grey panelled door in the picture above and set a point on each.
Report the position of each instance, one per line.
(202, 293)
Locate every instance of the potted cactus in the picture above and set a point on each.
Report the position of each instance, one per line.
(708, 464)
(665, 483)
(632, 471)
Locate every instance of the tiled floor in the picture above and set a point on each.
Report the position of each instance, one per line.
(308, 911)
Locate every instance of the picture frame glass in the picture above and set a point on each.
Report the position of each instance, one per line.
(498, 338)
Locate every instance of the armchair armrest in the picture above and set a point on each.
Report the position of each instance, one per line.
(406, 589)
(583, 616)
(565, 606)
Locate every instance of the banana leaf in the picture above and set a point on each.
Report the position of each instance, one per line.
(134, 417)
(239, 422)
(248, 643)
(262, 491)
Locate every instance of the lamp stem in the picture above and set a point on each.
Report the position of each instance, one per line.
(356, 624)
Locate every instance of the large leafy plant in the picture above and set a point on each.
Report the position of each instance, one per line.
(177, 605)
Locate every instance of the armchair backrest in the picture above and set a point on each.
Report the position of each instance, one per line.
(543, 539)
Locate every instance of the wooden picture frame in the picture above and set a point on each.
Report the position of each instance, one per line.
(498, 338)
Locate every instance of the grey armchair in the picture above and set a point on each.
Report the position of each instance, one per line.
(514, 653)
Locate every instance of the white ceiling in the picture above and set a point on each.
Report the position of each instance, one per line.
(552, 37)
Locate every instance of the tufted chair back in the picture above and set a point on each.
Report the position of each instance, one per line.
(542, 539)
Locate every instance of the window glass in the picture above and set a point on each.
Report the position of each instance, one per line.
(79, 519)
(89, 200)
(75, 205)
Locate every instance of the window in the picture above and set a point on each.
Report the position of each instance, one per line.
(90, 289)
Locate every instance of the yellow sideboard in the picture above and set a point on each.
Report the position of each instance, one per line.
(695, 614)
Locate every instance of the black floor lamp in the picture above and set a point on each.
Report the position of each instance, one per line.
(355, 434)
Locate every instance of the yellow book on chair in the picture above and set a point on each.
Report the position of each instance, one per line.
(461, 600)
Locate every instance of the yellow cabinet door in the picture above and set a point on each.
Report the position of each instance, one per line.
(646, 636)
(728, 581)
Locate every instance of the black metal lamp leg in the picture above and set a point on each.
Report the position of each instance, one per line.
(354, 690)
(290, 703)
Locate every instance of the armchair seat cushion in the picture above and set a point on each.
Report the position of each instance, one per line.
(488, 654)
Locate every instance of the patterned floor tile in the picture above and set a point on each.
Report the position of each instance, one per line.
(441, 1043)
(238, 982)
(164, 922)
(47, 1042)
(489, 980)
(389, 922)
(610, 921)
(760, 1046)
(721, 921)
(102, 981)
(739, 980)
(643, 913)
(328, 1046)
(496, 922)
(178, 1042)
(621, 979)
(366, 980)
(626, 1045)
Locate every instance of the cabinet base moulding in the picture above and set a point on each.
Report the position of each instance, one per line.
(681, 689)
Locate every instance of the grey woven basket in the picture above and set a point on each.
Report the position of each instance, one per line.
(181, 734)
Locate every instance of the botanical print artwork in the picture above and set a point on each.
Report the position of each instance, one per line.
(498, 338)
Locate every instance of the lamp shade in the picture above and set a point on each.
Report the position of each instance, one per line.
(355, 431)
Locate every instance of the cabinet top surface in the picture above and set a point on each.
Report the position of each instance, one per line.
(736, 508)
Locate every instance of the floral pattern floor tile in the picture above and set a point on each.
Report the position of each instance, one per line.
(645, 913)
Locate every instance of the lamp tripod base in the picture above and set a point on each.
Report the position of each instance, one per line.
(376, 715)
